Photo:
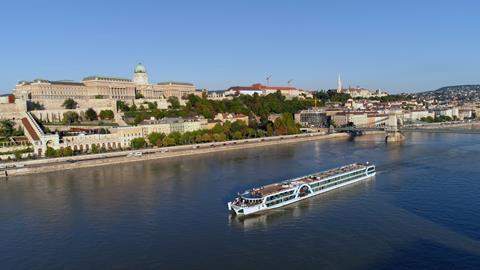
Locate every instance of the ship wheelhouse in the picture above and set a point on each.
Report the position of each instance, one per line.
(250, 199)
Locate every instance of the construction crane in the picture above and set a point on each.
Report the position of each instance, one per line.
(268, 79)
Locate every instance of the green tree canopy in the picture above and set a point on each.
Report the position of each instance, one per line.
(155, 138)
(174, 103)
(67, 151)
(70, 117)
(94, 149)
(138, 143)
(122, 106)
(70, 104)
(167, 141)
(36, 106)
(91, 115)
(237, 135)
(106, 114)
(50, 152)
(7, 128)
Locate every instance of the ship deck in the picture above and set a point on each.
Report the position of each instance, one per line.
(260, 192)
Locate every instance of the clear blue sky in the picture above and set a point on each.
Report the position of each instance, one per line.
(393, 45)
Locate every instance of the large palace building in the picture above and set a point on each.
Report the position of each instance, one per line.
(102, 87)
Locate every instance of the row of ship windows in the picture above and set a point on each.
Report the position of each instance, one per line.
(332, 184)
(334, 181)
(338, 178)
(280, 195)
(280, 200)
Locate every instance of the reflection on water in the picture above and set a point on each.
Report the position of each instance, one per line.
(420, 211)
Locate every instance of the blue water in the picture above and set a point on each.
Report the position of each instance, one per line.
(421, 211)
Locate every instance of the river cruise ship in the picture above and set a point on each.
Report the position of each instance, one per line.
(279, 194)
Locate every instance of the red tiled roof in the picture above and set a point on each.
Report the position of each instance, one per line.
(260, 87)
(30, 129)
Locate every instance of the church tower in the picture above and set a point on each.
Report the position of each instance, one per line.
(339, 84)
(140, 75)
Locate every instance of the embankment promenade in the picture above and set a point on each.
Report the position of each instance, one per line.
(93, 160)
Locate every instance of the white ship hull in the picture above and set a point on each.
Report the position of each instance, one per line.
(248, 210)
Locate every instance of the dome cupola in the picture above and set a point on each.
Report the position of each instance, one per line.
(139, 68)
(140, 75)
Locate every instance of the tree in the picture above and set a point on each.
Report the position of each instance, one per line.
(237, 135)
(122, 106)
(50, 152)
(152, 105)
(167, 141)
(427, 119)
(106, 114)
(70, 104)
(7, 128)
(138, 95)
(36, 106)
(239, 126)
(155, 138)
(176, 136)
(139, 118)
(270, 129)
(285, 125)
(291, 126)
(70, 117)
(217, 128)
(94, 149)
(67, 151)
(138, 143)
(251, 133)
(206, 137)
(174, 103)
(91, 114)
(219, 137)
(18, 155)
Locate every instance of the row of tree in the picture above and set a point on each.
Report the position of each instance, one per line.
(438, 119)
(68, 151)
(252, 106)
(284, 125)
(71, 117)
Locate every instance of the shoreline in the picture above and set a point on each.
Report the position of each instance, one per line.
(86, 161)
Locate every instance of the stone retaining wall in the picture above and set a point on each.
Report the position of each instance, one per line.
(84, 161)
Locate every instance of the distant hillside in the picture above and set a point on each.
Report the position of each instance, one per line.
(463, 92)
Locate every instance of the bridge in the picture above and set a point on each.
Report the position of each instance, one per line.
(387, 124)
(390, 125)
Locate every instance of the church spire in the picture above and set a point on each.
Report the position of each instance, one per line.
(339, 84)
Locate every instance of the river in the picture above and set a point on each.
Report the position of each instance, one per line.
(421, 211)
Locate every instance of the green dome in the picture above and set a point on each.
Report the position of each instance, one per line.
(139, 68)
